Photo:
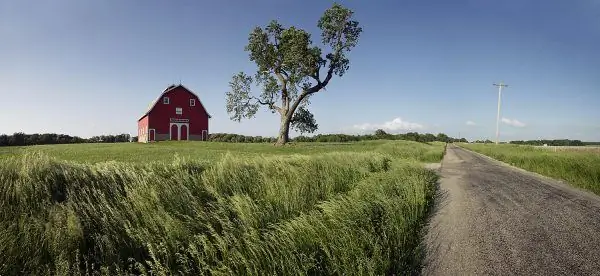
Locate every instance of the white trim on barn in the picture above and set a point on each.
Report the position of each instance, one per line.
(187, 127)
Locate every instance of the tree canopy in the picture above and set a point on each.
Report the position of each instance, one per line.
(290, 69)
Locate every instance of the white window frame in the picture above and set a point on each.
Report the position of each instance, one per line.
(166, 100)
(179, 111)
(192, 102)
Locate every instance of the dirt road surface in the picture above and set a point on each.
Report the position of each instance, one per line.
(492, 219)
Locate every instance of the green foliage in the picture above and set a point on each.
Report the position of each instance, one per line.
(579, 169)
(341, 33)
(239, 99)
(304, 121)
(483, 141)
(556, 142)
(351, 213)
(22, 139)
(442, 137)
(381, 134)
(289, 69)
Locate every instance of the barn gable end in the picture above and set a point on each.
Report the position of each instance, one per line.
(177, 114)
(169, 89)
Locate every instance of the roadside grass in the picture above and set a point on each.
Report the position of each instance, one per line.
(335, 210)
(588, 148)
(578, 168)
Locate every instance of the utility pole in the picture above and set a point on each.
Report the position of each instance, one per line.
(498, 115)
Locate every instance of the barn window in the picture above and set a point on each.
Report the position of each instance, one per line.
(178, 110)
(166, 100)
(192, 102)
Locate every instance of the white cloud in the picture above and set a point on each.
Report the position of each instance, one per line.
(513, 122)
(471, 123)
(395, 125)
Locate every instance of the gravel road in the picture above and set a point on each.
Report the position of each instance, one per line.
(492, 219)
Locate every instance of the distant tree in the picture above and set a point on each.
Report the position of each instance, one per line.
(381, 134)
(4, 140)
(303, 139)
(17, 139)
(428, 137)
(411, 136)
(442, 137)
(257, 139)
(289, 69)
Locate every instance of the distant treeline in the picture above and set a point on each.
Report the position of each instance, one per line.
(483, 141)
(112, 138)
(561, 142)
(557, 142)
(22, 139)
(379, 134)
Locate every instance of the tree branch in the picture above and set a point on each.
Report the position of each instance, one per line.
(283, 72)
(320, 84)
(270, 104)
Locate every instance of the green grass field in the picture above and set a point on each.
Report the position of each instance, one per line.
(578, 168)
(203, 151)
(216, 209)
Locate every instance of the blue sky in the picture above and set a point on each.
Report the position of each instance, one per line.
(92, 67)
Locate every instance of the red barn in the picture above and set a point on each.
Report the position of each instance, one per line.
(177, 114)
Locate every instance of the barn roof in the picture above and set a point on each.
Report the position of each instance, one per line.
(171, 87)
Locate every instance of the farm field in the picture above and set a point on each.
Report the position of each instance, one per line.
(591, 149)
(205, 151)
(310, 208)
(580, 167)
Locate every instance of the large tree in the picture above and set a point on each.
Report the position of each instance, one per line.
(290, 69)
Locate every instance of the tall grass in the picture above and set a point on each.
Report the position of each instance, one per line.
(580, 169)
(199, 150)
(337, 213)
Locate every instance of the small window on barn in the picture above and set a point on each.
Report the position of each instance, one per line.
(178, 110)
(192, 102)
(166, 100)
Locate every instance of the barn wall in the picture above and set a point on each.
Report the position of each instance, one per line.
(196, 137)
(162, 113)
(143, 130)
(162, 137)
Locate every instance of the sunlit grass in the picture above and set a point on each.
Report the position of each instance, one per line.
(351, 209)
(578, 168)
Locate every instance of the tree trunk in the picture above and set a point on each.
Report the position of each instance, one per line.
(284, 130)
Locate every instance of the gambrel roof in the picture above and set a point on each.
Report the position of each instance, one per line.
(170, 88)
